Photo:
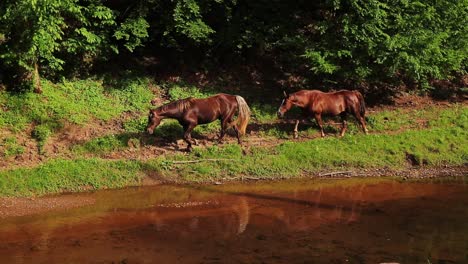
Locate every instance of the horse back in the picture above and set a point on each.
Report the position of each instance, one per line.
(332, 103)
(208, 109)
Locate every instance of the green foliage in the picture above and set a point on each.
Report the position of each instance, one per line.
(319, 63)
(420, 40)
(188, 21)
(47, 33)
(339, 41)
(133, 31)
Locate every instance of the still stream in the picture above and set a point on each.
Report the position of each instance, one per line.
(300, 221)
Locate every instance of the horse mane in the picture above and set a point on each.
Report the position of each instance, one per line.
(181, 105)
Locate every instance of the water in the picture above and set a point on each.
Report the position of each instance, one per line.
(313, 221)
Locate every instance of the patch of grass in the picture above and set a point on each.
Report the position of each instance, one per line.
(133, 94)
(75, 102)
(178, 91)
(69, 175)
(41, 133)
(102, 144)
(9, 147)
(431, 116)
(264, 113)
(136, 125)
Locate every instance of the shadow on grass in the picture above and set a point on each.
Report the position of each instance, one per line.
(285, 127)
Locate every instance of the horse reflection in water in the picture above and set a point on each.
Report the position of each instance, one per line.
(220, 218)
(314, 103)
(191, 112)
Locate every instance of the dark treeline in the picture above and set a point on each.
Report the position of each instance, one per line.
(354, 42)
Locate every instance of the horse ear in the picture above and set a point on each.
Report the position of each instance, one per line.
(285, 94)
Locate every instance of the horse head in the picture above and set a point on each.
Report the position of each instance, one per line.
(286, 104)
(153, 121)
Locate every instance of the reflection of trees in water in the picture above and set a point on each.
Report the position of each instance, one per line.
(305, 211)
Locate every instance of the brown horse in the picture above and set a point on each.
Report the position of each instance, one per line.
(314, 103)
(191, 112)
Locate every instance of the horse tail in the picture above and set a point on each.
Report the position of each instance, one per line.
(244, 114)
(362, 104)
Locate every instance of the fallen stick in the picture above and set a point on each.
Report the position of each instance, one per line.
(335, 173)
(197, 161)
(251, 178)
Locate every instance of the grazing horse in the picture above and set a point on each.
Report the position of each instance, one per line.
(191, 112)
(314, 103)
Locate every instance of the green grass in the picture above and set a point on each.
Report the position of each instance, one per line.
(432, 147)
(69, 176)
(178, 91)
(102, 144)
(76, 102)
(9, 147)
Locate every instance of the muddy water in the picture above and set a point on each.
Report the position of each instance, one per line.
(319, 221)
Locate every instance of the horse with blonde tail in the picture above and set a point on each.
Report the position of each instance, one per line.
(191, 112)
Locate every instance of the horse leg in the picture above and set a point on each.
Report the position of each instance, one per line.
(236, 130)
(232, 123)
(344, 124)
(362, 121)
(363, 124)
(188, 135)
(318, 118)
(296, 133)
(223, 130)
(225, 122)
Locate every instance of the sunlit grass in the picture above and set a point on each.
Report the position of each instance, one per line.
(69, 175)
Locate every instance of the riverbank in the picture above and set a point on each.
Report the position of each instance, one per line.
(104, 147)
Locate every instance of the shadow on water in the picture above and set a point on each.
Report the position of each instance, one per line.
(258, 196)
